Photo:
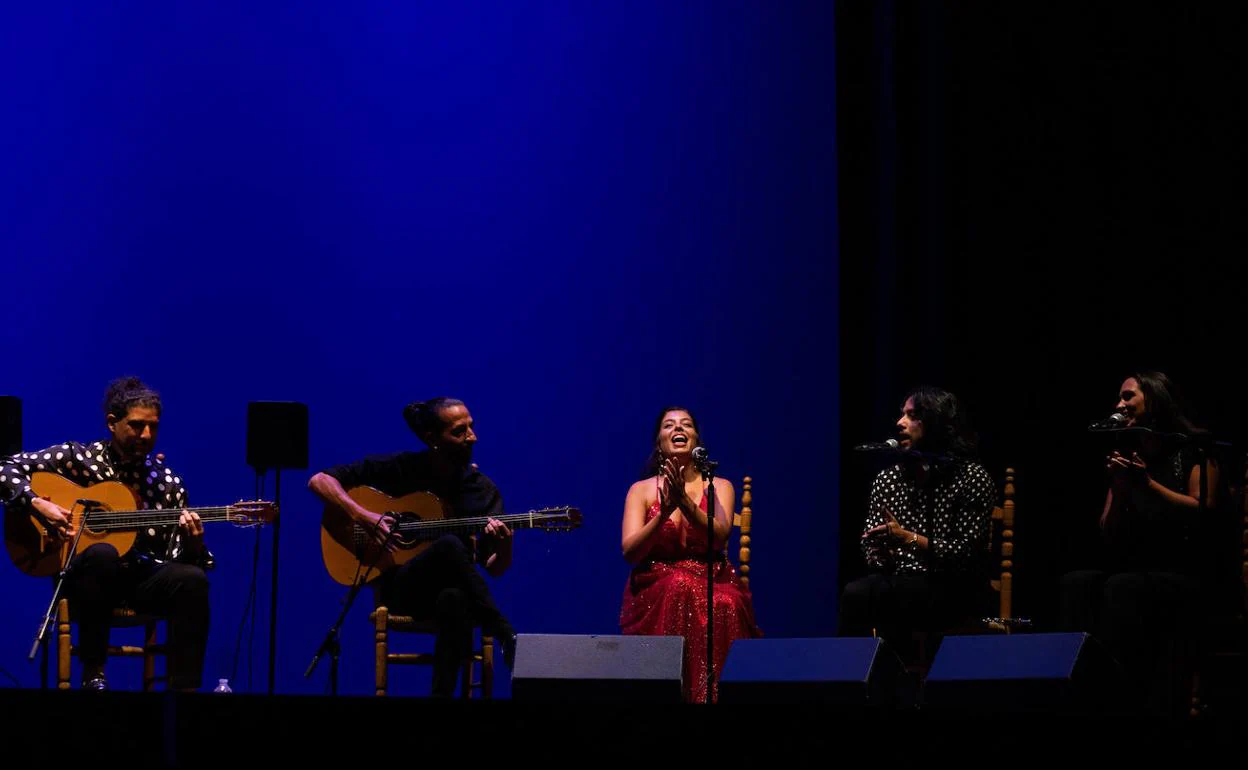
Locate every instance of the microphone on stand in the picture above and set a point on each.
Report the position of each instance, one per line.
(883, 446)
(1115, 421)
(893, 446)
(702, 461)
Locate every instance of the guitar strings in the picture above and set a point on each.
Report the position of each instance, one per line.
(104, 520)
(544, 515)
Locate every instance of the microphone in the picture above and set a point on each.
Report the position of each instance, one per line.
(1113, 422)
(701, 461)
(89, 503)
(883, 446)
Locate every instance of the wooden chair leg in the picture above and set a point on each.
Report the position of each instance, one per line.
(63, 648)
(465, 677)
(487, 666)
(149, 657)
(383, 616)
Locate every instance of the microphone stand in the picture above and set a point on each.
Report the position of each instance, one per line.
(332, 643)
(707, 468)
(903, 453)
(60, 585)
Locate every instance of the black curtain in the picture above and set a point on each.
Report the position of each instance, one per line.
(1036, 200)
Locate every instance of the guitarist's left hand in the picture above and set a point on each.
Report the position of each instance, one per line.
(500, 535)
(191, 527)
(499, 531)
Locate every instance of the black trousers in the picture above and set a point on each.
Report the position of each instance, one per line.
(1148, 620)
(443, 584)
(100, 581)
(895, 606)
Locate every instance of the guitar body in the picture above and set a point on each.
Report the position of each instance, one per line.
(30, 547)
(345, 545)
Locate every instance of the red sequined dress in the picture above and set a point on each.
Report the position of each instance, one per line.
(666, 595)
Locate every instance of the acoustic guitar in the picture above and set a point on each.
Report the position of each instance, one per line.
(110, 515)
(351, 552)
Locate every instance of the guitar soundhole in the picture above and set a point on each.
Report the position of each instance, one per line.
(411, 538)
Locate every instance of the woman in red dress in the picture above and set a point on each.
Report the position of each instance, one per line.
(664, 538)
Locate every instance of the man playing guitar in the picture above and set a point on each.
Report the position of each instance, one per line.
(440, 582)
(162, 574)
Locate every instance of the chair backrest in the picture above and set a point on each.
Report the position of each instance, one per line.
(1001, 549)
(1243, 540)
(742, 521)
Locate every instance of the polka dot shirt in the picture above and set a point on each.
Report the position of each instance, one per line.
(953, 511)
(154, 484)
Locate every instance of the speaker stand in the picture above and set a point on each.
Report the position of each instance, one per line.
(277, 536)
(277, 439)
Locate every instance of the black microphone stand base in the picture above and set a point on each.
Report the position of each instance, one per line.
(332, 644)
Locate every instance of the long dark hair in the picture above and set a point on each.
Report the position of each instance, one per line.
(651, 468)
(1165, 410)
(946, 427)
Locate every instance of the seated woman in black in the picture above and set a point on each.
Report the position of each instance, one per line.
(1150, 589)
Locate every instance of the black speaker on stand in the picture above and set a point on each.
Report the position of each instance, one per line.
(11, 444)
(277, 440)
(10, 425)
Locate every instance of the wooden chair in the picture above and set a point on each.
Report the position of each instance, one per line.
(122, 618)
(384, 622)
(742, 521)
(1226, 639)
(999, 613)
(1000, 554)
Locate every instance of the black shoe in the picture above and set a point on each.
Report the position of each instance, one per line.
(509, 651)
(97, 683)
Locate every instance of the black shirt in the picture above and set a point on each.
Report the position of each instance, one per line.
(1156, 535)
(468, 493)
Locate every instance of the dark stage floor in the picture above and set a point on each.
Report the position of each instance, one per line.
(161, 729)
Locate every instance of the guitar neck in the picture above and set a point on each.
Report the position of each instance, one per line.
(106, 521)
(472, 524)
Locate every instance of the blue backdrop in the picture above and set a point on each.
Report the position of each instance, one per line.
(566, 215)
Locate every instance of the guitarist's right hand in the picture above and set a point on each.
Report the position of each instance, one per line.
(379, 524)
(55, 518)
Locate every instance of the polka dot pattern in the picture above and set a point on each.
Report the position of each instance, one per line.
(953, 512)
(155, 486)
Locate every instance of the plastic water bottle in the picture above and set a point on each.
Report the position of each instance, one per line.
(223, 685)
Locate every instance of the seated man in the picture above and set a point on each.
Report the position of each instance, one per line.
(163, 574)
(442, 582)
(926, 531)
